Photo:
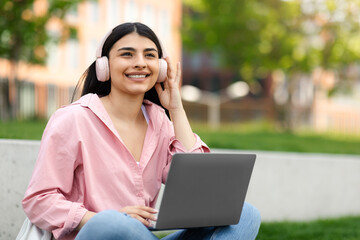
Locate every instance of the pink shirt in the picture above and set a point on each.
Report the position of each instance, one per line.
(84, 165)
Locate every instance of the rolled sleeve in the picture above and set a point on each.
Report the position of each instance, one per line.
(175, 146)
(76, 213)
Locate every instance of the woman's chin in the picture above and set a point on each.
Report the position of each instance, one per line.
(139, 90)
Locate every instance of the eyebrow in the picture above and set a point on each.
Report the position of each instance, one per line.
(133, 49)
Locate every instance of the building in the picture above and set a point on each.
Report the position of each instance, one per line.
(43, 89)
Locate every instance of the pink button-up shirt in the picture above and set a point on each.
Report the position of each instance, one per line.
(84, 165)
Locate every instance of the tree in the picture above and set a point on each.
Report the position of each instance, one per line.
(24, 33)
(255, 37)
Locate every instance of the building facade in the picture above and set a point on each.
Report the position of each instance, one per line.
(43, 89)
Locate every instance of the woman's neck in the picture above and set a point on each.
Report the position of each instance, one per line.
(124, 108)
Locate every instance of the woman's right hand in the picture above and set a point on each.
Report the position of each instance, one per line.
(141, 213)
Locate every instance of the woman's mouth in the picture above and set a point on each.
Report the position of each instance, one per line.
(137, 76)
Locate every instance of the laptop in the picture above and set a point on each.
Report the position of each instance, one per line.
(203, 190)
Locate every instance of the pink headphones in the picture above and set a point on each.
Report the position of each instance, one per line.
(102, 63)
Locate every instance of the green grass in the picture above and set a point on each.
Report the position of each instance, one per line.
(346, 228)
(31, 129)
(248, 136)
(331, 229)
(260, 136)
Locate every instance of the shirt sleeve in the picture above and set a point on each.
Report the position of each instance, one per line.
(48, 200)
(175, 146)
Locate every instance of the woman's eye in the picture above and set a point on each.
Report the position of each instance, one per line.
(126, 54)
(150, 55)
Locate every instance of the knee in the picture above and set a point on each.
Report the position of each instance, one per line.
(249, 224)
(251, 215)
(109, 224)
(113, 218)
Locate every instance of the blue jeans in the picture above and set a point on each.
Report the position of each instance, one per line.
(111, 225)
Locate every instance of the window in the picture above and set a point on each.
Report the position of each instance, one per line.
(91, 47)
(52, 60)
(112, 13)
(164, 24)
(72, 54)
(52, 48)
(148, 16)
(94, 14)
(131, 11)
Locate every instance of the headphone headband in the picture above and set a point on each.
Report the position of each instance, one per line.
(101, 45)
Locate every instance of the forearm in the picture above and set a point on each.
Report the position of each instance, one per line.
(88, 215)
(182, 128)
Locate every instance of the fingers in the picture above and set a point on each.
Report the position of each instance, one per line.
(178, 73)
(142, 220)
(141, 213)
(140, 210)
(170, 70)
(158, 88)
(172, 75)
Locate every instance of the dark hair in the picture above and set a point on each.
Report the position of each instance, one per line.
(89, 81)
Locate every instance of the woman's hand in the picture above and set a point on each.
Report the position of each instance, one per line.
(170, 96)
(141, 213)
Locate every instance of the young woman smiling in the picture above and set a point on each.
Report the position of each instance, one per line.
(103, 158)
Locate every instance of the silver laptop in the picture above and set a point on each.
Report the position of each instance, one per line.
(204, 189)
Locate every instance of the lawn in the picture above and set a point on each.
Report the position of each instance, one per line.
(31, 129)
(250, 136)
(329, 229)
(261, 136)
(326, 229)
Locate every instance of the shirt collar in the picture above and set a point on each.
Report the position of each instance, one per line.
(93, 102)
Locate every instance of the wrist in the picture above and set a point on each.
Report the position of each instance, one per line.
(88, 215)
(177, 111)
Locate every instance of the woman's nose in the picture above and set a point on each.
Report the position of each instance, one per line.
(139, 62)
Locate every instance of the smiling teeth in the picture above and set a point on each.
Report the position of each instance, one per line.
(136, 76)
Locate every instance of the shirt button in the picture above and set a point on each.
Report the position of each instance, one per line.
(140, 194)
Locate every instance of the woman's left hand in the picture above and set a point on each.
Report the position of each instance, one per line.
(170, 96)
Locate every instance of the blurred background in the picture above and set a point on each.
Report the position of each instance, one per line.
(292, 63)
(279, 78)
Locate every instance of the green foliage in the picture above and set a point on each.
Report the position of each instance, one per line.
(255, 37)
(24, 30)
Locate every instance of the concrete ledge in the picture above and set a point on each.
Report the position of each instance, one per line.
(303, 186)
(16, 166)
(284, 186)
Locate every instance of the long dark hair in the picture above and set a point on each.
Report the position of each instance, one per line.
(89, 81)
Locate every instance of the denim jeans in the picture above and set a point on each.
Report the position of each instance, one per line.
(111, 225)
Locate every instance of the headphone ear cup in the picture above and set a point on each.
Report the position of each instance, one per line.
(162, 70)
(102, 69)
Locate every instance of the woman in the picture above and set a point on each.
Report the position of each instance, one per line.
(112, 148)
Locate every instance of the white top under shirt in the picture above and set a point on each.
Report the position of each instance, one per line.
(146, 116)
